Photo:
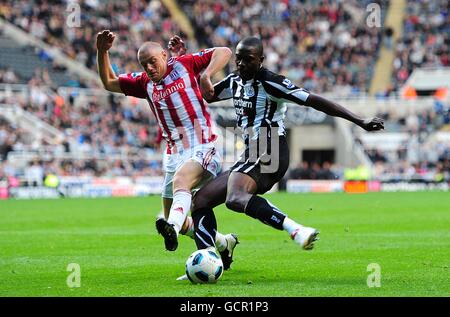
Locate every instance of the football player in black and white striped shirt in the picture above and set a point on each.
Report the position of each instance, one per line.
(258, 96)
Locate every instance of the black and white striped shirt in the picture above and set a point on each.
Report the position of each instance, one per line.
(260, 102)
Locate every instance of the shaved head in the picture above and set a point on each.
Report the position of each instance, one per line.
(150, 48)
(153, 58)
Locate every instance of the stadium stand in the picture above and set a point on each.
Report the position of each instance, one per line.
(133, 21)
(425, 40)
(325, 46)
(321, 45)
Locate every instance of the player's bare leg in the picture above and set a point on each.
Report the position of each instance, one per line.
(167, 203)
(186, 178)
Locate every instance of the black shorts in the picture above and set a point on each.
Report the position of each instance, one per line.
(266, 165)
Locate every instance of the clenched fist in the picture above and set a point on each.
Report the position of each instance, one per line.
(105, 40)
(176, 46)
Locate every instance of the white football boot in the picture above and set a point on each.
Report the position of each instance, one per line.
(305, 237)
(227, 253)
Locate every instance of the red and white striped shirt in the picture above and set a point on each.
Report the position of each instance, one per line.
(176, 101)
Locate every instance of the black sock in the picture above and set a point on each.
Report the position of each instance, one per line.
(259, 208)
(205, 226)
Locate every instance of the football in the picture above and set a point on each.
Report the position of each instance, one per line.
(204, 266)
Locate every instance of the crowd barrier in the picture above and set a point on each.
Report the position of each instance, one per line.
(88, 187)
(328, 186)
(92, 187)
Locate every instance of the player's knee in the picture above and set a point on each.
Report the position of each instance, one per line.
(235, 202)
(180, 181)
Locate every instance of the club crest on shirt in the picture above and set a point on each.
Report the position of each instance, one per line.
(249, 91)
(174, 75)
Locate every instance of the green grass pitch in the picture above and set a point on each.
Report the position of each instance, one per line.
(120, 254)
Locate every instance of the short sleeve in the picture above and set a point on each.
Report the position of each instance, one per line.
(200, 60)
(223, 89)
(134, 84)
(280, 87)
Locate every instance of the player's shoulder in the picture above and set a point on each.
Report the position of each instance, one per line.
(203, 52)
(185, 60)
(267, 77)
(233, 76)
(190, 56)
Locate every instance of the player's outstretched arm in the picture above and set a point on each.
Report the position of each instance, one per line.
(104, 42)
(219, 59)
(333, 109)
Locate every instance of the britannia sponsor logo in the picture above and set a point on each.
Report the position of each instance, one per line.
(168, 90)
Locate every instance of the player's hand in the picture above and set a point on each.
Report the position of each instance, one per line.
(176, 46)
(206, 87)
(105, 40)
(374, 124)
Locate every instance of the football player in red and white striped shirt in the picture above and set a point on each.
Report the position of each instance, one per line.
(173, 88)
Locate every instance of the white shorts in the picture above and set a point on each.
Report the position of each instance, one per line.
(206, 155)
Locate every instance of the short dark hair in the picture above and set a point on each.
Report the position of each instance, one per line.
(253, 41)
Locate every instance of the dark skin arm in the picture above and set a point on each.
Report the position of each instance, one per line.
(333, 109)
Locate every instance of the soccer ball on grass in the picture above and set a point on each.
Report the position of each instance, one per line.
(204, 266)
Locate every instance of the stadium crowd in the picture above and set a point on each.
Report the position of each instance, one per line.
(133, 21)
(8, 76)
(121, 133)
(425, 41)
(324, 45)
(418, 157)
(314, 170)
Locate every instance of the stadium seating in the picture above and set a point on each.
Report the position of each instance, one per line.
(322, 46)
(25, 60)
(133, 21)
(425, 40)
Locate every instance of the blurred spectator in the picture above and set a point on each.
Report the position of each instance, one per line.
(325, 172)
(304, 171)
(34, 174)
(7, 76)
